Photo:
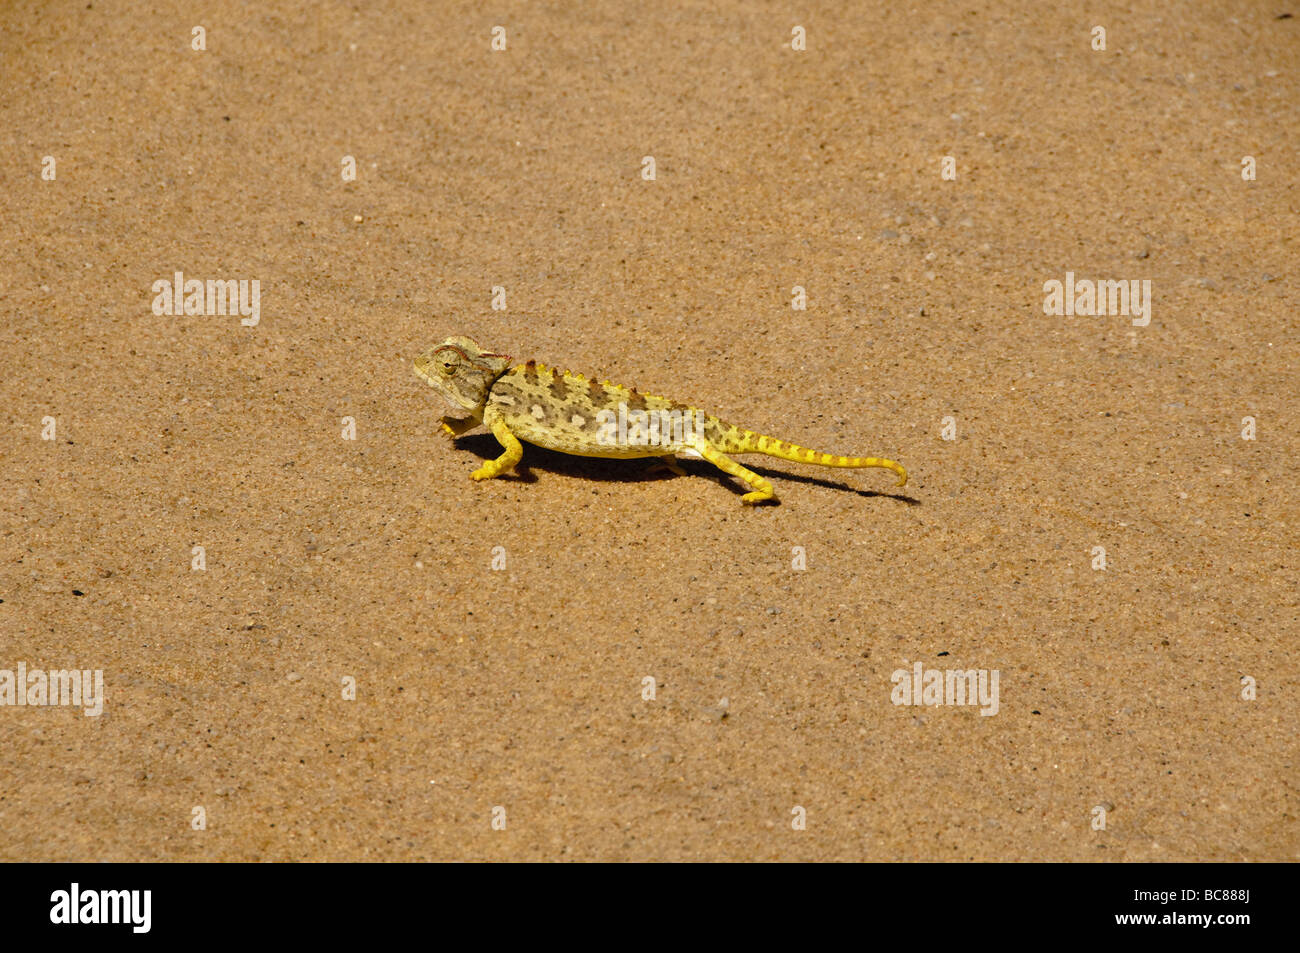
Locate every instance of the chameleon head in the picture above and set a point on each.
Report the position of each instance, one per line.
(461, 371)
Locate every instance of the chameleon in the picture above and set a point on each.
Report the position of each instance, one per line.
(568, 413)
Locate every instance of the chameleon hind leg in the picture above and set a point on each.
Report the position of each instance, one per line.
(762, 489)
(513, 451)
(668, 463)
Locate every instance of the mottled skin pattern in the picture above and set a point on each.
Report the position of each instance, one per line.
(559, 411)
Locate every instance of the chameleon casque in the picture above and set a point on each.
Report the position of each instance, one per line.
(568, 413)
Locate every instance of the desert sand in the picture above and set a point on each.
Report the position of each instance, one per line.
(1112, 527)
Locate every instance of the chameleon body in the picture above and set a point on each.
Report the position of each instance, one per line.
(568, 413)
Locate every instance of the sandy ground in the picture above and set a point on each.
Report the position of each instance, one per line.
(520, 691)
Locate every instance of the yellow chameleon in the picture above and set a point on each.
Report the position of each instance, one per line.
(568, 413)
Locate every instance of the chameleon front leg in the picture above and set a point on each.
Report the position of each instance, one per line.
(762, 489)
(454, 427)
(514, 450)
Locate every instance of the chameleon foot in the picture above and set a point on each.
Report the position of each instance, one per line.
(762, 489)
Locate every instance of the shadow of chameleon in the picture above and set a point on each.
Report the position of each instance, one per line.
(602, 470)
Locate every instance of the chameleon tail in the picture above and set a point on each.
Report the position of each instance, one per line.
(746, 441)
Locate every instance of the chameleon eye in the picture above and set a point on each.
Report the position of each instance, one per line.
(448, 368)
